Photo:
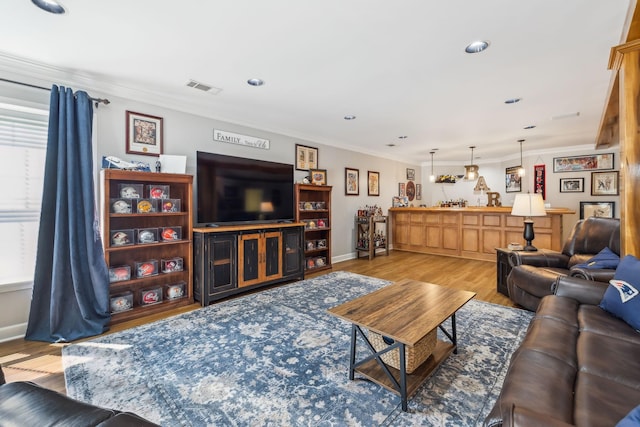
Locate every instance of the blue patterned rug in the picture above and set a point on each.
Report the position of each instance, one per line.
(276, 358)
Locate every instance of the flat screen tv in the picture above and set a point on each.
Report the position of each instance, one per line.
(234, 190)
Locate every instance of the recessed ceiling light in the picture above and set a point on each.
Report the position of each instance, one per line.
(349, 117)
(530, 127)
(50, 6)
(391, 145)
(255, 82)
(512, 100)
(477, 46)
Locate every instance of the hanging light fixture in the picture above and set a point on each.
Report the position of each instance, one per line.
(432, 177)
(521, 170)
(471, 171)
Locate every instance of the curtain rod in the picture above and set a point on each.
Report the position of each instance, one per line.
(96, 100)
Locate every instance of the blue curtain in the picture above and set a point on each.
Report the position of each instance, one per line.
(71, 282)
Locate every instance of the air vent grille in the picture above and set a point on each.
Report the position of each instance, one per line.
(203, 87)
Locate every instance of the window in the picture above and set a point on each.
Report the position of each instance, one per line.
(23, 141)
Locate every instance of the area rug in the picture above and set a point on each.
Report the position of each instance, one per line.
(276, 358)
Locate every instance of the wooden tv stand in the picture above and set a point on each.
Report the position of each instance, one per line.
(237, 258)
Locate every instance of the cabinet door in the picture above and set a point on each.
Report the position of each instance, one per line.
(272, 255)
(293, 256)
(222, 263)
(250, 259)
(214, 265)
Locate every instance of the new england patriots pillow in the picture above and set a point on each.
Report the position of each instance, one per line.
(622, 296)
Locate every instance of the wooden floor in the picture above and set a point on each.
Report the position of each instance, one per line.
(41, 362)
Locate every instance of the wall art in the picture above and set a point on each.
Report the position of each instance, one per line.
(144, 134)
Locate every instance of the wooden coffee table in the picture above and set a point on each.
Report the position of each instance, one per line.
(405, 311)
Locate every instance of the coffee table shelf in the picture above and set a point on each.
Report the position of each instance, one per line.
(374, 372)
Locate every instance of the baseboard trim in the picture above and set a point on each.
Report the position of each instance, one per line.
(13, 332)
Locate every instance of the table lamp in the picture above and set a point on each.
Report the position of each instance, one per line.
(528, 205)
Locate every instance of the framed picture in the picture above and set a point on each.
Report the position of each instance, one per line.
(318, 176)
(144, 134)
(418, 191)
(604, 183)
(513, 180)
(572, 185)
(306, 157)
(373, 183)
(583, 163)
(599, 209)
(402, 189)
(539, 180)
(411, 174)
(351, 182)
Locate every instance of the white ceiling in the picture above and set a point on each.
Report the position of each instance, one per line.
(399, 66)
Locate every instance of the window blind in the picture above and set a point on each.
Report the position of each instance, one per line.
(23, 141)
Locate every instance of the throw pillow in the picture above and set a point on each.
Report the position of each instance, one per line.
(606, 258)
(621, 297)
(632, 419)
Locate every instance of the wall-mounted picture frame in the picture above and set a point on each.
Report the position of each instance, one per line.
(583, 163)
(351, 182)
(604, 183)
(402, 192)
(599, 209)
(539, 180)
(144, 134)
(411, 174)
(418, 191)
(373, 183)
(306, 157)
(513, 180)
(318, 176)
(572, 185)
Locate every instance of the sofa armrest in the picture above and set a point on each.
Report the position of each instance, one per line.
(523, 417)
(582, 290)
(541, 258)
(597, 274)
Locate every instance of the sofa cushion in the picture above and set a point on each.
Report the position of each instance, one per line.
(606, 258)
(622, 297)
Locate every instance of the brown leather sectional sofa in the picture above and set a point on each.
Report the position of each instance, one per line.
(577, 366)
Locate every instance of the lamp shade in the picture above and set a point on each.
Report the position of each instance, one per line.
(528, 205)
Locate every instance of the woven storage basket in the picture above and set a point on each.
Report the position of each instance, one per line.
(414, 356)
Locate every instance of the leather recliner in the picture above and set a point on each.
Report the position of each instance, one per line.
(533, 273)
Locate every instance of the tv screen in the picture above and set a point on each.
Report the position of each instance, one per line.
(236, 190)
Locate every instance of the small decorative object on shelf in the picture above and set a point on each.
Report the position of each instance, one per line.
(458, 203)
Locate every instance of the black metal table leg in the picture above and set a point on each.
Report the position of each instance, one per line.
(403, 378)
(454, 338)
(352, 356)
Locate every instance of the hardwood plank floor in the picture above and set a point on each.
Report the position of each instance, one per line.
(42, 362)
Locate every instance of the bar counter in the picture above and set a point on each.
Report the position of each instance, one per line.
(470, 232)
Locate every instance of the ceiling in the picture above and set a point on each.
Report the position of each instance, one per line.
(398, 66)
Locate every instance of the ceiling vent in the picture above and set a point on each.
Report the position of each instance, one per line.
(203, 87)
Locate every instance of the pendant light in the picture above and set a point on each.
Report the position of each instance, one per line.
(471, 171)
(432, 177)
(521, 170)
